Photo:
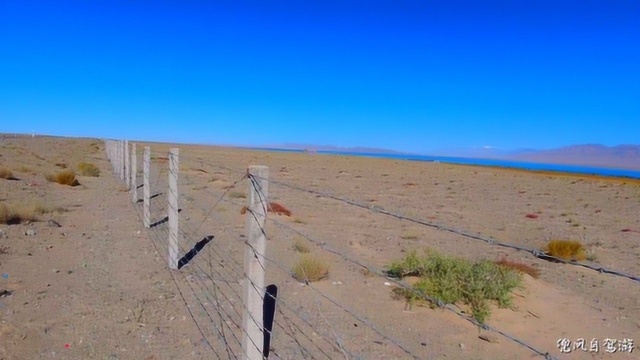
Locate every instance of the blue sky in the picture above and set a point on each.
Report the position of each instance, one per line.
(416, 76)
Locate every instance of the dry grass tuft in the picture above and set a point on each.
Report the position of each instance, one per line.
(523, 268)
(409, 236)
(24, 169)
(5, 173)
(300, 246)
(310, 269)
(566, 249)
(237, 195)
(64, 178)
(20, 213)
(88, 169)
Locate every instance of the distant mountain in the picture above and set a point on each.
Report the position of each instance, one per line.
(621, 156)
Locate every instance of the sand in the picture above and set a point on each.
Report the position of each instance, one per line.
(98, 287)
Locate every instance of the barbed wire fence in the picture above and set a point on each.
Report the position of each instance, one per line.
(218, 260)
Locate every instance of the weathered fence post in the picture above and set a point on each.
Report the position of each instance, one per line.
(127, 164)
(134, 173)
(146, 190)
(116, 154)
(122, 162)
(173, 208)
(119, 157)
(110, 147)
(113, 157)
(254, 264)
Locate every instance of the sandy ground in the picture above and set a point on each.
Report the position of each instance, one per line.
(98, 286)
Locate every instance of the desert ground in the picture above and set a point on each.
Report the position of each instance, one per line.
(84, 279)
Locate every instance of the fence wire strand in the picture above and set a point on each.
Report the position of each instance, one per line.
(491, 241)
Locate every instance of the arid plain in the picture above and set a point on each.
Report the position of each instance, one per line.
(93, 283)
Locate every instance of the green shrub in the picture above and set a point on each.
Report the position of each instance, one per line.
(452, 280)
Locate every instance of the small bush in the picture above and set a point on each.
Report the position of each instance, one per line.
(453, 280)
(310, 269)
(523, 268)
(88, 169)
(272, 208)
(566, 249)
(64, 178)
(278, 209)
(301, 247)
(5, 173)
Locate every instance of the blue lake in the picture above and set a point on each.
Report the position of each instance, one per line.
(575, 169)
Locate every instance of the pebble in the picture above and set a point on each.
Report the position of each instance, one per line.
(30, 232)
(53, 223)
(3, 234)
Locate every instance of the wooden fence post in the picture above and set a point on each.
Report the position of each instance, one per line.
(146, 190)
(173, 208)
(254, 264)
(127, 164)
(134, 173)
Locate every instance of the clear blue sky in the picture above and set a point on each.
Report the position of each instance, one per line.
(412, 76)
